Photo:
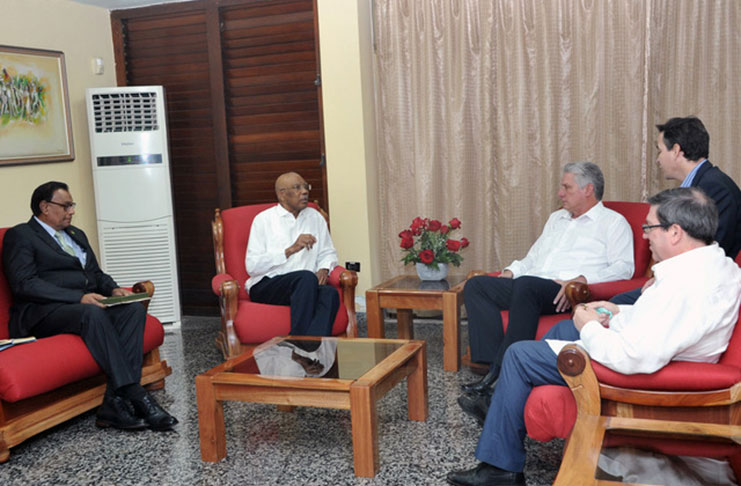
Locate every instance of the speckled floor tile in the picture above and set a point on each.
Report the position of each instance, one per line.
(310, 446)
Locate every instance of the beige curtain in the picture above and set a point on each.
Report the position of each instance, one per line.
(480, 103)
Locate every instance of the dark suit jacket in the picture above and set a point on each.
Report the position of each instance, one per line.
(727, 197)
(43, 277)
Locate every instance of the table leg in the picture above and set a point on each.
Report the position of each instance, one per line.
(404, 321)
(451, 331)
(374, 315)
(210, 421)
(364, 430)
(417, 387)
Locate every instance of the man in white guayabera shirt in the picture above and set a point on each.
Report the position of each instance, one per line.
(289, 258)
(690, 311)
(584, 241)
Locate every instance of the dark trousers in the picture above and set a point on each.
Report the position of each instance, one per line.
(485, 297)
(526, 364)
(313, 306)
(114, 336)
(626, 298)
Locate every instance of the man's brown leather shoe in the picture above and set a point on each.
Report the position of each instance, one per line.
(485, 475)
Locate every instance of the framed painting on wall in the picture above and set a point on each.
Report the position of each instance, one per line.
(35, 124)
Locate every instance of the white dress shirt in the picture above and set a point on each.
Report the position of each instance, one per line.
(688, 314)
(274, 230)
(598, 245)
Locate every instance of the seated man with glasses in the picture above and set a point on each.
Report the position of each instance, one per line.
(289, 257)
(57, 287)
(688, 314)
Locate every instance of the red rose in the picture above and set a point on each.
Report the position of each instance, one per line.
(417, 225)
(406, 234)
(464, 242)
(434, 225)
(426, 256)
(453, 245)
(444, 229)
(455, 223)
(407, 243)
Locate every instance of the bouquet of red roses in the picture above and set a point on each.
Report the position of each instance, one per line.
(429, 241)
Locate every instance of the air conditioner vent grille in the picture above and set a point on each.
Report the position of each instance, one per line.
(125, 112)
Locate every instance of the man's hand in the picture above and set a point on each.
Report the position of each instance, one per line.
(587, 312)
(506, 274)
(92, 299)
(561, 301)
(119, 292)
(648, 283)
(322, 275)
(304, 240)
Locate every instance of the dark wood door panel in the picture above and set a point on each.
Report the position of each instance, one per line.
(242, 105)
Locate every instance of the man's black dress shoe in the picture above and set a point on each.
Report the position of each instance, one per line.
(484, 384)
(475, 405)
(115, 412)
(147, 408)
(484, 475)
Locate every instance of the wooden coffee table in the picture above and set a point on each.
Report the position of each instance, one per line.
(408, 292)
(361, 372)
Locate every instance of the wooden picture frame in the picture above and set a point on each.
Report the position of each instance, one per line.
(35, 122)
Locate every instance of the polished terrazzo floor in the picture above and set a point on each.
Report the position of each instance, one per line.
(266, 447)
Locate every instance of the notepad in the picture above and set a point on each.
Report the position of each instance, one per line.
(7, 343)
(124, 299)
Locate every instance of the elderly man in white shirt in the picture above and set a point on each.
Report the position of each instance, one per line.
(289, 258)
(584, 241)
(688, 314)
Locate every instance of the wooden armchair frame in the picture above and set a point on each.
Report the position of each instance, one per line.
(227, 339)
(602, 407)
(25, 418)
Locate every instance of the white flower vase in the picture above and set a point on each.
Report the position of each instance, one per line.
(426, 272)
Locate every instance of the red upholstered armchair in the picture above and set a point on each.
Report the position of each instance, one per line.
(635, 213)
(683, 397)
(245, 323)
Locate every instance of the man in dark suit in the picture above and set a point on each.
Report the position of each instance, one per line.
(683, 145)
(57, 287)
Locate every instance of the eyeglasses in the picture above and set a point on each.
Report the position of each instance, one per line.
(648, 227)
(67, 207)
(297, 187)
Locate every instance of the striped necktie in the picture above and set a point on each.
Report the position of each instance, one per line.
(65, 246)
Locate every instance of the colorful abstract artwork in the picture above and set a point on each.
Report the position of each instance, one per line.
(34, 107)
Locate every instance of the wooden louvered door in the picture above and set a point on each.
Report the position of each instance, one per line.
(242, 105)
(270, 71)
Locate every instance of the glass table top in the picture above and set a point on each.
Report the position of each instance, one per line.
(347, 359)
(663, 459)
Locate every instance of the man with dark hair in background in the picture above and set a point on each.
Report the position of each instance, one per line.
(683, 145)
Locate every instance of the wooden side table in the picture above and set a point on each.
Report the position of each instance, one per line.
(407, 292)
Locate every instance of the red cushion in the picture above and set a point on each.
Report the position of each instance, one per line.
(257, 323)
(550, 412)
(28, 370)
(676, 376)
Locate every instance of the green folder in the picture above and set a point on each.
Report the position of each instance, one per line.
(124, 299)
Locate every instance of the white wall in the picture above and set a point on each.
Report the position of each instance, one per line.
(81, 32)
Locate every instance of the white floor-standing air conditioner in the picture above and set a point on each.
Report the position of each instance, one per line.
(133, 198)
